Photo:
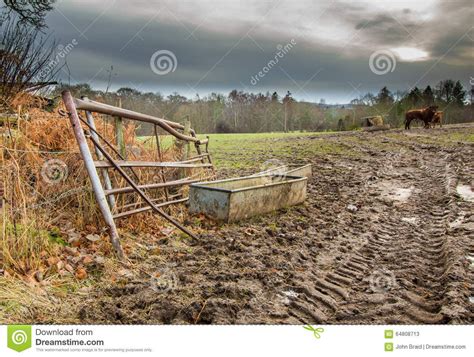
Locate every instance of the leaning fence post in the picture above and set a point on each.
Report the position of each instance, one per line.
(187, 147)
(160, 157)
(93, 175)
(119, 133)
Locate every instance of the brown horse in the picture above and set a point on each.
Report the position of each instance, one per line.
(425, 115)
(437, 119)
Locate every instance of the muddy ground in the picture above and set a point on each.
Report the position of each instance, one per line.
(384, 237)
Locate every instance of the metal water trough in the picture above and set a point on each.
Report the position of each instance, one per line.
(234, 199)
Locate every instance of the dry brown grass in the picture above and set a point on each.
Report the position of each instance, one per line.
(26, 303)
(42, 206)
(37, 201)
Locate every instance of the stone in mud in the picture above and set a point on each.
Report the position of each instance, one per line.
(352, 208)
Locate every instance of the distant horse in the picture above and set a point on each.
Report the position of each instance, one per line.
(425, 115)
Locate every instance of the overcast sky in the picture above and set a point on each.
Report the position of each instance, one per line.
(335, 50)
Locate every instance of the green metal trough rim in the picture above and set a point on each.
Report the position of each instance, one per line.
(202, 185)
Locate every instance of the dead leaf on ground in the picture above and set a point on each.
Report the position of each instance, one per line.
(87, 260)
(250, 231)
(52, 261)
(92, 237)
(81, 274)
(166, 231)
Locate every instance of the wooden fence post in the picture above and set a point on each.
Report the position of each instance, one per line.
(119, 135)
(186, 147)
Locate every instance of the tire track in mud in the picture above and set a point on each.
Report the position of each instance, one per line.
(325, 294)
(409, 266)
(422, 298)
(447, 169)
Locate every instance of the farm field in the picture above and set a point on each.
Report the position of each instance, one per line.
(384, 237)
(288, 174)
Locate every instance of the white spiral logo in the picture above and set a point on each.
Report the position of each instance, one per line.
(163, 62)
(274, 167)
(163, 281)
(382, 281)
(19, 337)
(382, 61)
(54, 171)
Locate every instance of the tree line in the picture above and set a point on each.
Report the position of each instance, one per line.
(244, 112)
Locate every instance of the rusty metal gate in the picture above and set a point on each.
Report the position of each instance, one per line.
(110, 157)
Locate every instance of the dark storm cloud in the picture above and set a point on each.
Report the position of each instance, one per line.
(380, 21)
(454, 40)
(217, 55)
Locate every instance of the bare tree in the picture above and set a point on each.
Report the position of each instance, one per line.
(31, 12)
(109, 80)
(26, 59)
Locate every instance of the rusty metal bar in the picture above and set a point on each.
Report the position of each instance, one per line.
(105, 174)
(144, 209)
(167, 125)
(213, 169)
(136, 204)
(199, 157)
(115, 111)
(199, 151)
(91, 170)
(150, 186)
(140, 192)
(177, 164)
(203, 142)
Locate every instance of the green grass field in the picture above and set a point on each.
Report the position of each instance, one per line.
(245, 151)
(251, 151)
(229, 139)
